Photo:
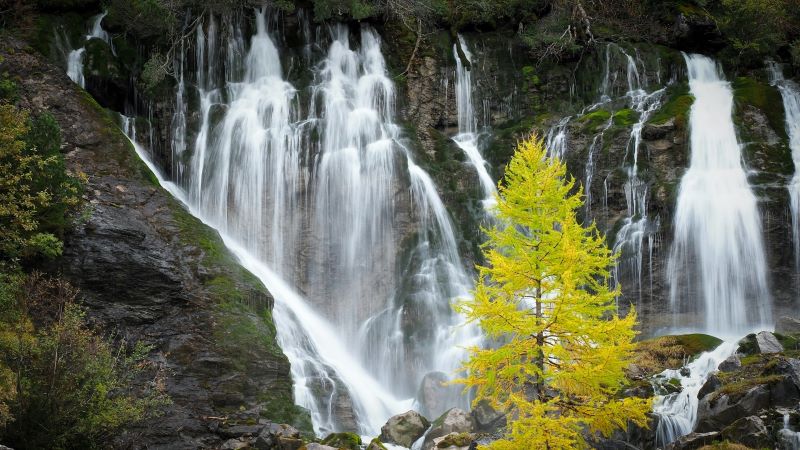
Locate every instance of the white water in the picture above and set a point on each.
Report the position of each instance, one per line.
(677, 412)
(790, 92)
(324, 203)
(789, 437)
(75, 57)
(717, 267)
(467, 138)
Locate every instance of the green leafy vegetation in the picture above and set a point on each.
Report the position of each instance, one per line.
(63, 385)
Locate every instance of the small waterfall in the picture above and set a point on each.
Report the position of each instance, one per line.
(556, 141)
(636, 227)
(467, 137)
(314, 190)
(718, 255)
(790, 92)
(75, 57)
(789, 438)
(677, 412)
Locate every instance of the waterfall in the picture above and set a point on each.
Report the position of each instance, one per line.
(314, 190)
(467, 137)
(75, 57)
(636, 227)
(677, 412)
(790, 92)
(717, 263)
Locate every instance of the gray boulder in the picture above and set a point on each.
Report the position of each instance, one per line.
(454, 420)
(693, 441)
(486, 418)
(730, 364)
(749, 431)
(404, 429)
(712, 384)
(787, 324)
(768, 343)
(275, 436)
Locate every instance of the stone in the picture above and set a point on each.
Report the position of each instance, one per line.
(455, 420)
(486, 418)
(693, 441)
(315, 446)
(240, 430)
(404, 429)
(435, 395)
(712, 384)
(376, 444)
(749, 431)
(234, 444)
(768, 343)
(346, 441)
(731, 363)
(454, 441)
(278, 436)
(786, 324)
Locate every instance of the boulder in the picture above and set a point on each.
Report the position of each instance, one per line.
(275, 436)
(787, 324)
(768, 343)
(730, 364)
(234, 444)
(376, 444)
(486, 418)
(749, 431)
(712, 384)
(315, 446)
(435, 395)
(715, 412)
(237, 431)
(454, 441)
(693, 441)
(347, 441)
(454, 420)
(404, 429)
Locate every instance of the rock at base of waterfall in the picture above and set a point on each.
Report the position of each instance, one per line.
(376, 444)
(712, 384)
(787, 324)
(454, 420)
(315, 446)
(404, 429)
(768, 343)
(730, 364)
(234, 444)
(435, 394)
(454, 441)
(749, 431)
(275, 436)
(345, 441)
(693, 441)
(486, 418)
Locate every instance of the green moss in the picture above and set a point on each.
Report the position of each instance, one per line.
(376, 443)
(742, 386)
(456, 440)
(595, 119)
(697, 343)
(280, 408)
(677, 106)
(789, 342)
(767, 98)
(347, 441)
(625, 117)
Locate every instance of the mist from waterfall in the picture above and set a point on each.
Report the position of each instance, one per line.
(717, 265)
(315, 191)
(790, 93)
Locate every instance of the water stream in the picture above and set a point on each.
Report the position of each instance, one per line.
(717, 221)
(75, 57)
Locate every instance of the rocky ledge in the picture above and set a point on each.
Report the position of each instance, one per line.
(150, 272)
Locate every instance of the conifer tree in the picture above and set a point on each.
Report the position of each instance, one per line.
(543, 297)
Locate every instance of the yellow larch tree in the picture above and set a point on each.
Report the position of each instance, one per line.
(543, 297)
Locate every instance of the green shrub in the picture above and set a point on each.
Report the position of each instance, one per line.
(69, 386)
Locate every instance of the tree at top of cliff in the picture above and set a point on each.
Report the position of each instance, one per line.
(544, 297)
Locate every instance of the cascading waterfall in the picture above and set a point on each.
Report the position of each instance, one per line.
(790, 92)
(636, 227)
(677, 412)
(325, 204)
(718, 255)
(75, 57)
(467, 138)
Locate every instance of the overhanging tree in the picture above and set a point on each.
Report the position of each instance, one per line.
(543, 296)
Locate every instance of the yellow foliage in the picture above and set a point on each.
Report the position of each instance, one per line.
(543, 297)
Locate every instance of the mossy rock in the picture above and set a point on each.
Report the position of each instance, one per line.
(625, 117)
(670, 352)
(677, 106)
(595, 119)
(747, 90)
(376, 444)
(347, 441)
(456, 440)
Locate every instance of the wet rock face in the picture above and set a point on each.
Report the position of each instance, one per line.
(145, 279)
(453, 421)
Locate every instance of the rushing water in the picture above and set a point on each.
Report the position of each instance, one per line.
(467, 138)
(677, 412)
(717, 221)
(75, 57)
(790, 92)
(314, 190)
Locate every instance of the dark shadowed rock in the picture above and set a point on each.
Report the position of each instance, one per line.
(693, 441)
(712, 384)
(749, 431)
(486, 418)
(730, 364)
(404, 429)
